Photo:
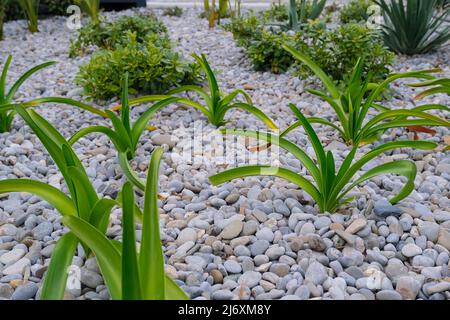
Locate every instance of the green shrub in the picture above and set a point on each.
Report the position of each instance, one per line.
(337, 51)
(108, 35)
(355, 11)
(152, 65)
(266, 53)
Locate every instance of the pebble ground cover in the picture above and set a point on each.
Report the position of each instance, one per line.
(252, 238)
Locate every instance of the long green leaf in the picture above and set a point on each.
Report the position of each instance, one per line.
(56, 277)
(56, 198)
(131, 287)
(151, 255)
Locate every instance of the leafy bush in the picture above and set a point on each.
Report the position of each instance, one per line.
(355, 11)
(309, 9)
(108, 35)
(337, 51)
(266, 53)
(414, 26)
(152, 65)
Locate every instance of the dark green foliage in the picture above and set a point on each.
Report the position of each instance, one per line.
(109, 35)
(152, 65)
(355, 11)
(336, 51)
(414, 26)
(173, 12)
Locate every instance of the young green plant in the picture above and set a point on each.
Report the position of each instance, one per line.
(217, 102)
(331, 184)
(124, 134)
(353, 103)
(7, 105)
(129, 274)
(83, 202)
(414, 26)
(31, 10)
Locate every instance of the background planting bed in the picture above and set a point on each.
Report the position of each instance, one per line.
(231, 241)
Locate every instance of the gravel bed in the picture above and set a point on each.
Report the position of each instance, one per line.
(254, 238)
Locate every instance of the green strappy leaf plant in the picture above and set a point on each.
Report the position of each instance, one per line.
(217, 102)
(353, 103)
(441, 85)
(7, 104)
(124, 134)
(129, 274)
(31, 9)
(6, 97)
(83, 202)
(329, 184)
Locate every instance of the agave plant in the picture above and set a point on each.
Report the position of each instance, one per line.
(91, 8)
(331, 184)
(438, 86)
(31, 9)
(297, 17)
(83, 201)
(414, 26)
(130, 275)
(7, 111)
(353, 103)
(217, 102)
(125, 135)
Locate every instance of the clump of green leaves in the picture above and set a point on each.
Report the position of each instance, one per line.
(124, 134)
(152, 65)
(414, 26)
(31, 9)
(109, 35)
(331, 182)
(173, 12)
(357, 96)
(355, 11)
(337, 51)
